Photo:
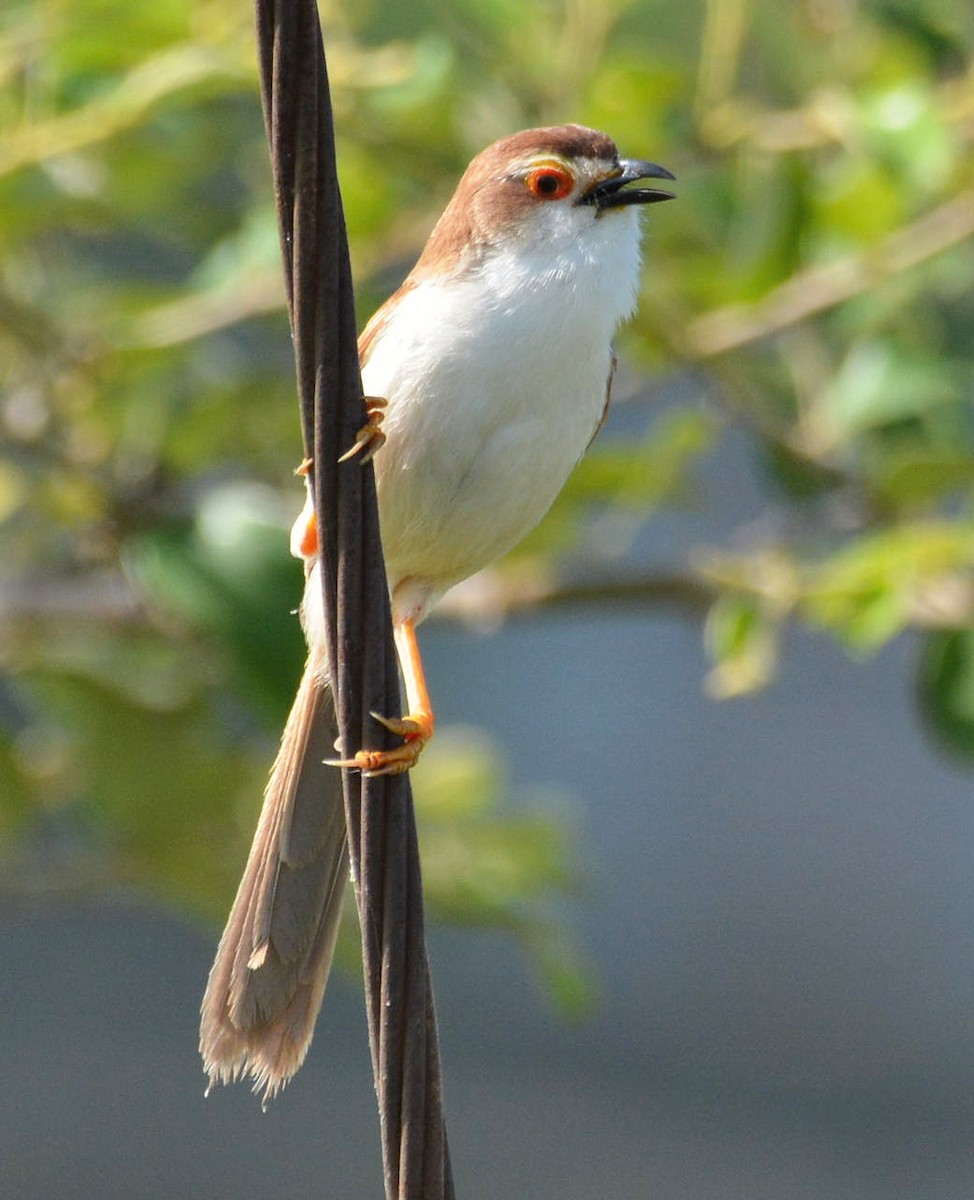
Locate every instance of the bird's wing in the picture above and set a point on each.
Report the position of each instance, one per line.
(379, 321)
(608, 398)
(266, 985)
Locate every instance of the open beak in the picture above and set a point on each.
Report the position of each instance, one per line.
(609, 193)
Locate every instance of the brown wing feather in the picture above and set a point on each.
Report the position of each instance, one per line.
(379, 320)
(269, 976)
(608, 399)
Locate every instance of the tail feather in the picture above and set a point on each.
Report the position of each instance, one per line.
(269, 976)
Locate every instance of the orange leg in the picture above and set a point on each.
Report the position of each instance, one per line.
(416, 727)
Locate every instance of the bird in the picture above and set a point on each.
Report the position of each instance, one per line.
(487, 374)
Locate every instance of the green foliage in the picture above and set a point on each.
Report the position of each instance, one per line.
(742, 638)
(217, 574)
(946, 689)
(813, 281)
(492, 868)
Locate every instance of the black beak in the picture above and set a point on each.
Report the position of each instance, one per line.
(608, 193)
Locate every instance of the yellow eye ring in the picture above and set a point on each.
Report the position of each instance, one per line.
(549, 183)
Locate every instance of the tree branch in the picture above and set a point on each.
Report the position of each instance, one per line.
(819, 288)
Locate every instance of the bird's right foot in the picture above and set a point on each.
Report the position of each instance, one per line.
(370, 437)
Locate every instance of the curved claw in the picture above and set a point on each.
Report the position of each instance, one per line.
(409, 726)
(373, 763)
(370, 437)
(415, 728)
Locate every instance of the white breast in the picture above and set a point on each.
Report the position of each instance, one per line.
(496, 384)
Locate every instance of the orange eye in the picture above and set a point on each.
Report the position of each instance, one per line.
(549, 183)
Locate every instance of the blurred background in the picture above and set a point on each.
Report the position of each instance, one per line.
(698, 831)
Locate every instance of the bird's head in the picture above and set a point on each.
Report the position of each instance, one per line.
(553, 185)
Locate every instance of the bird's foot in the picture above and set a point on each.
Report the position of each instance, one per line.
(370, 437)
(415, 729)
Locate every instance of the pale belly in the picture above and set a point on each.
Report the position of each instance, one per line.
(444, 527)
(444, 517)
(495, 388)
(463, 479)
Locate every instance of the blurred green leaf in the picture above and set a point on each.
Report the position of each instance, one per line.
(155, 781)
(231, 576)
(906, 131)
(945, 689)
(489, 864)
(799, 476)
(879, 384)
(742, 640)
(17, 798)
(913, 479)
(865, 593)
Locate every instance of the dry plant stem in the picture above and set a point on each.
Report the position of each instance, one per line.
(820, 288)
(120, 108)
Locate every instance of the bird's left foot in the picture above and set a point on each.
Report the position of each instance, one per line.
(370, 437)
(415, 729)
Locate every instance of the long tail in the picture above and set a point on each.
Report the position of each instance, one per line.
(269, 976)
